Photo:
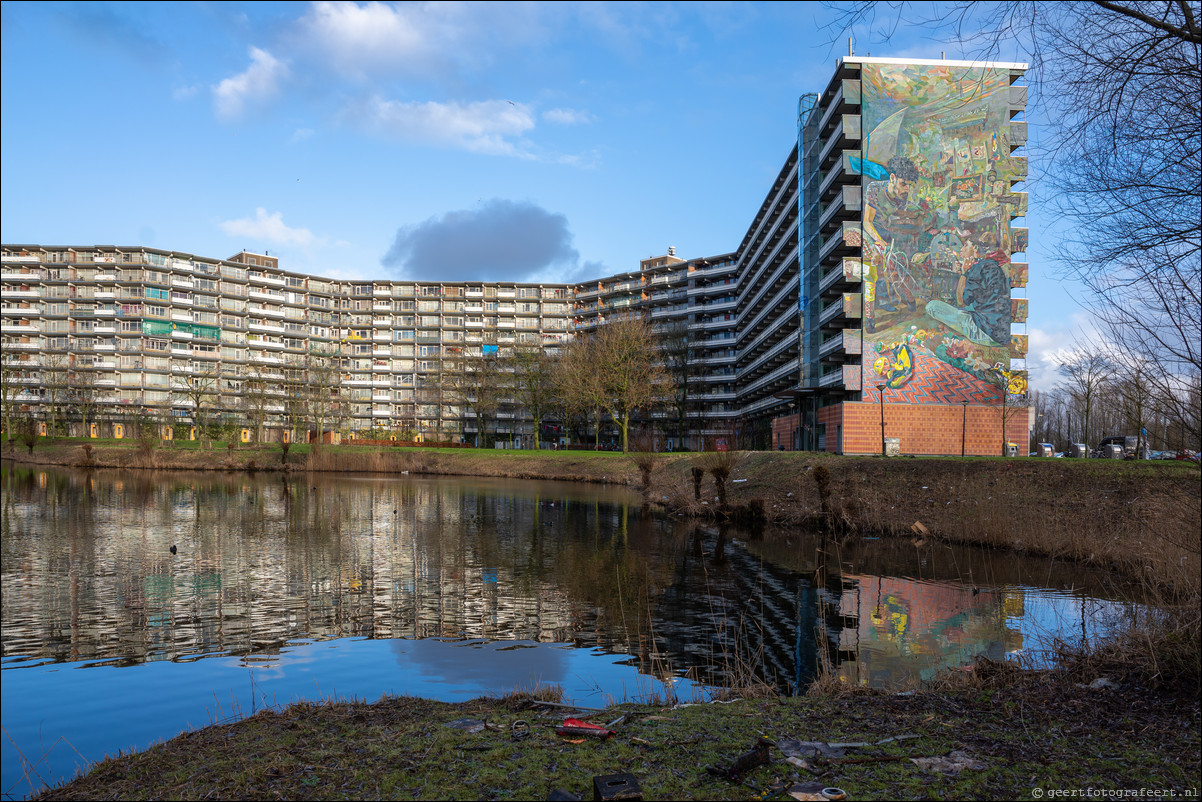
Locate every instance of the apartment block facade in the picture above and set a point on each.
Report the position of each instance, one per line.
(911, 329)
(871, 299)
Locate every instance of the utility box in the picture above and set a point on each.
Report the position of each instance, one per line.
(1045, 450)
(1112, 451)
(892, 446)
(1011, 449)
(1078, 450)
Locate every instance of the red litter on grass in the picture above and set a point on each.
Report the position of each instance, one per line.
(575, 728)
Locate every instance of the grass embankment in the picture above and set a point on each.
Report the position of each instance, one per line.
(1032, 731)
(580, 466)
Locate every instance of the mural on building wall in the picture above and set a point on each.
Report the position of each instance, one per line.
(937, 244)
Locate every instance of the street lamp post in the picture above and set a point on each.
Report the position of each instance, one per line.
(963, 426)
(881, 389)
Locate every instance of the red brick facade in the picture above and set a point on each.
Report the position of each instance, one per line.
(855, 428)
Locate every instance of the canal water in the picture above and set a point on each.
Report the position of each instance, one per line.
(138, 605)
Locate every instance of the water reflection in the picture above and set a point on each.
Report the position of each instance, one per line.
(262, 562)
(89, 575)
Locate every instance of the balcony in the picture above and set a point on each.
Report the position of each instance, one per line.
(271, 281)
(837, 314)
(846, 276)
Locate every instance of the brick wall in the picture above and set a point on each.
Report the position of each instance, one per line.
(782, 431)
(928, 428)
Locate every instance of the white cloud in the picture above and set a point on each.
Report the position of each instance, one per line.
(300, 135)
(1048, 349)
(352, 36)
(270, 228)
(186, 92)
(429, 39)
(567, 117)
(260, 82)
(481, 127)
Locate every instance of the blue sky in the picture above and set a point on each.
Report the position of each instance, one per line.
(367, 140)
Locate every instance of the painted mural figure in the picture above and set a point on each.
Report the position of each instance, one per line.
(891, 224)
(937, 241)
(982, 310)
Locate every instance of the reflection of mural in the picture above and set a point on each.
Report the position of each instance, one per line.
(911, 629)
(936, 172)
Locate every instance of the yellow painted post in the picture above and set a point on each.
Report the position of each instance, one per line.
(118, 431)
(93, 430)
(42, 429)
(246, 435)
(192, 433)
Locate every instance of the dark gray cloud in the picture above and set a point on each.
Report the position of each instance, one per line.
(499, 240)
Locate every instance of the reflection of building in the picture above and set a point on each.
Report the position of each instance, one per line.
(260, 562)
(881, 255)
(897, 631)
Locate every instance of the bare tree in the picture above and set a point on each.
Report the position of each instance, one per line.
(322, 390)
(631, 375)
(257, 397)
(85, 396)
(11, 373)
(1086, 372)
(1012, 387)
(296, 409)
(676, 354)
(534, 371)
(581, 384)
(56, 383)
(198, 389)
(475, 380)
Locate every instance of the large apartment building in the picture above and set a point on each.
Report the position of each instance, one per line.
(910, 332)
(869, 300)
